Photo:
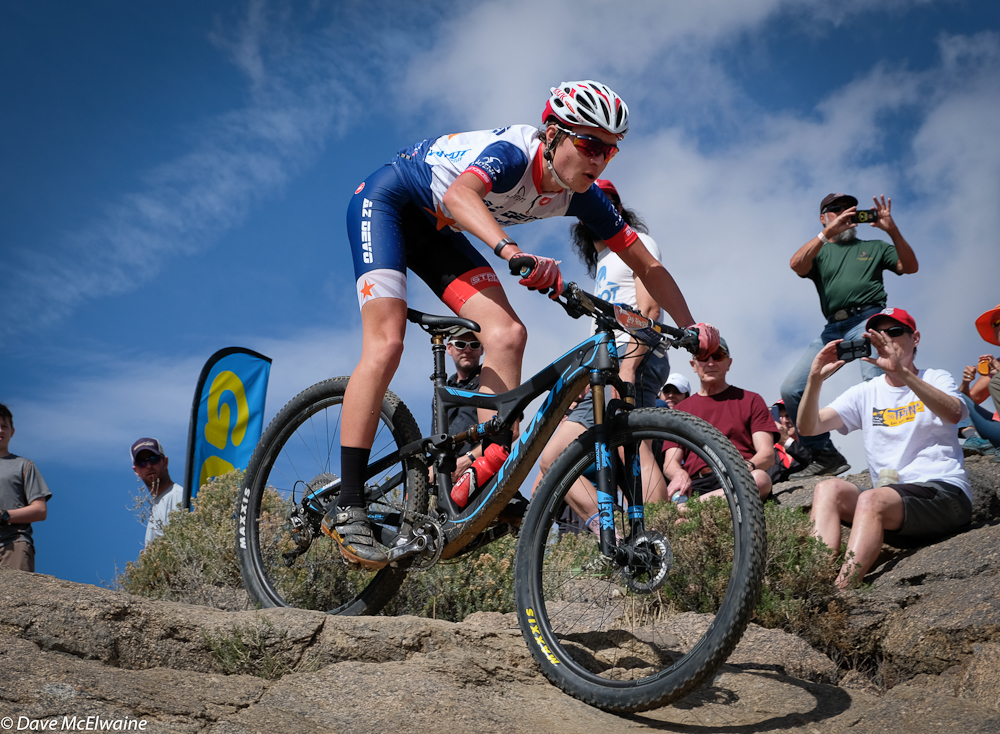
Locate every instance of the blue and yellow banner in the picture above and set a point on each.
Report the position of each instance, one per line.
(227, 416)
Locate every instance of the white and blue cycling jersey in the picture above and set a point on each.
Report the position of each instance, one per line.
(397, 218)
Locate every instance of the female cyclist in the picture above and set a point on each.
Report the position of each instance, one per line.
(412, 213)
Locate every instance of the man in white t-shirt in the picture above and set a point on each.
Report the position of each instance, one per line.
(907, 417)
(151, 465)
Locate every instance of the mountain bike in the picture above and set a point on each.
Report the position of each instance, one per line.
(607, 618)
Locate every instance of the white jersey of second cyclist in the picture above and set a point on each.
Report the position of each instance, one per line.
(509, 162)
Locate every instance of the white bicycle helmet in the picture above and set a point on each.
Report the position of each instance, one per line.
(590, 104)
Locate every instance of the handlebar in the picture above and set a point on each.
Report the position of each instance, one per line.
(616, 316)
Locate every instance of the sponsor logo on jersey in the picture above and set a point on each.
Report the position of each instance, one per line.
(891, 417)
(509, 217)
(490, 165)
(358, 190)
(452, 156)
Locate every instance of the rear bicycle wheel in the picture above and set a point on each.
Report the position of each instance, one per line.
(634, 637)
(293, 478)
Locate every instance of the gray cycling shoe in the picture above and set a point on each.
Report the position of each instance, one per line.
(352, 531)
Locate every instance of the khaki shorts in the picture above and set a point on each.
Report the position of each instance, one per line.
(18, 554)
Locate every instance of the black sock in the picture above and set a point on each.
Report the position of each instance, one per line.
(354, 466)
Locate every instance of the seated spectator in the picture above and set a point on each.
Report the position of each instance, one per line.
(740, 414)
(466, 351)
(982, 432)
(790, 455)
(907, 418)
(674, 390)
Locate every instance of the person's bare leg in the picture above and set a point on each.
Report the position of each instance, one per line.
(383, 326)
(833, 500)
(877, 510)
(654, 485)
(763, 482)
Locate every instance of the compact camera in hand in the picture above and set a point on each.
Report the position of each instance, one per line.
(865, 216)
(854, 349)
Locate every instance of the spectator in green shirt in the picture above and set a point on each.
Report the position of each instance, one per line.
(847, 273)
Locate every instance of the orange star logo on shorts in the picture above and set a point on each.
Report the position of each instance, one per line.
(442, 220)
(366, 291)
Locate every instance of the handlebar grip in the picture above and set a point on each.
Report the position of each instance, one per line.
(521, 265)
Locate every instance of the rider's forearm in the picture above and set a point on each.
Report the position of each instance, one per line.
(465, 205)
(661, 285)
(658, 282)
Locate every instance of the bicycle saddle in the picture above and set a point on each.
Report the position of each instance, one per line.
(441, 324)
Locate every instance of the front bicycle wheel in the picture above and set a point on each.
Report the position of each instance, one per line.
(635, 636)
(292, 479)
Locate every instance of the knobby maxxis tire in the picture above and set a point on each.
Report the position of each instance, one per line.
(597, 638)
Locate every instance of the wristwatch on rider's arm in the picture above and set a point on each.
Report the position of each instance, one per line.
(4, 518)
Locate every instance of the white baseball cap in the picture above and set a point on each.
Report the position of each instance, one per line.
(679, 381)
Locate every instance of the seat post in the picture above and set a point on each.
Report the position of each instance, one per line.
(440, 378)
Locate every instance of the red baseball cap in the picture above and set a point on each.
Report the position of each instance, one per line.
(896, 314)
(984, 324)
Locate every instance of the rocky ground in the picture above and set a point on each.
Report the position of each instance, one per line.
(927, 631)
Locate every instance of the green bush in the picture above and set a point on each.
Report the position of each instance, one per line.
(248, 650)
(798, 588)
(194, 561)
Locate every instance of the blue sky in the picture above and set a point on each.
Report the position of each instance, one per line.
(174, 179)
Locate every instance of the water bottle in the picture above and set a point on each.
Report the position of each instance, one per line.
(887, 476)
(481, 471)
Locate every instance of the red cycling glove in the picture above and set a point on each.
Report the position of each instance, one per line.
(708, 340)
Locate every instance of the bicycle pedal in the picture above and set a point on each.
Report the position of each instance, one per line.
(406, 548)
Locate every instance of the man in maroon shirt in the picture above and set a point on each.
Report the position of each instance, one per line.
(739, 414)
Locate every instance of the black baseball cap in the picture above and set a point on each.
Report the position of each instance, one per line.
(831, 199)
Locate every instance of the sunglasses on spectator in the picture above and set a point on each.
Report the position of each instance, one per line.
(151, 461)
(460, 345)
(894, 331)
(718, 356)
(590, 146)
(834, 209)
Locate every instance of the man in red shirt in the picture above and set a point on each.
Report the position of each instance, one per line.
(740, 414)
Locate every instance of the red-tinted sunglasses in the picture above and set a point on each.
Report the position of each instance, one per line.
(590, 146)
